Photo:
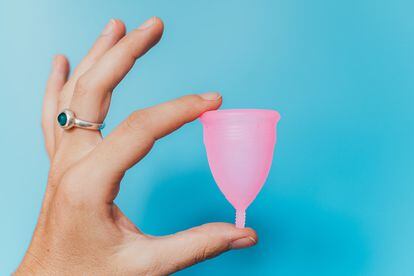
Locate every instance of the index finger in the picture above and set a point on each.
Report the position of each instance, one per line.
(134, 137)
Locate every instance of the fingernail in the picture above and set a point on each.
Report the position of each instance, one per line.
(109, 27)
(243, 243)
(210, 96)
(147, 24)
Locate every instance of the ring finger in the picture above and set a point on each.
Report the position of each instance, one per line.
(112, 33)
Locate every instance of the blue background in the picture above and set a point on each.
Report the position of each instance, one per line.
(339, 199)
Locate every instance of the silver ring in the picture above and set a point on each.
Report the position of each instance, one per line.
(67, 120)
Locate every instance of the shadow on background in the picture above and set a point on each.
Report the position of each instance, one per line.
(339, 195)
(296, 237)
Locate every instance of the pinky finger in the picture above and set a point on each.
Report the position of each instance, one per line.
(57, 78)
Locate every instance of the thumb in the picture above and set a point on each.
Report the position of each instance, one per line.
(197, 244)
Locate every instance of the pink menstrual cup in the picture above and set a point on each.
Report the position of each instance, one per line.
(240, 145)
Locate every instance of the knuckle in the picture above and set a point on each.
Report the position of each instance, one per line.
(69, 191)
(138, 120)
(204, 253)
(82, 86)
(210, 245)
(192, 103)
(65, 95)
(128, 48)
(186, 105)
(91, 58)
(139, 125)
(192, 100)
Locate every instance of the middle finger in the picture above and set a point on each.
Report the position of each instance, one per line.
(92, 93)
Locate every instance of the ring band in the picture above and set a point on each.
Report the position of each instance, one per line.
(67, 120)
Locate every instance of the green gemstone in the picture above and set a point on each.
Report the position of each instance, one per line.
(62, 119)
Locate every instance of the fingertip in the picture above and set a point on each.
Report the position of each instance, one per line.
(233, 237)
(157, 28)
(60, 64)
(247, 237)
(210, 96)
(154, 26)
(230, 229)
(158, 23)
(244, 233)
(213, 100)
(252, 234)
(60, 58)
(242, 243)
(119, 26)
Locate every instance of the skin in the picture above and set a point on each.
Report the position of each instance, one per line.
(80, 231)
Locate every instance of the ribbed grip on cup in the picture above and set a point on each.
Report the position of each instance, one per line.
(240, 218)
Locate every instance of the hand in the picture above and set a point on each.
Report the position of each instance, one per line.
(80, 230)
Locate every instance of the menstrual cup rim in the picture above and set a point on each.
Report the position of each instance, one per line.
(234, 113)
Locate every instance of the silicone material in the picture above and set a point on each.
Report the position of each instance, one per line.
(240, 145)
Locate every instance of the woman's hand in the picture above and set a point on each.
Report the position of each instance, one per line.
(80, 230)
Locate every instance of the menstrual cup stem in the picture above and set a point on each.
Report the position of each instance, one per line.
(240, 218)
